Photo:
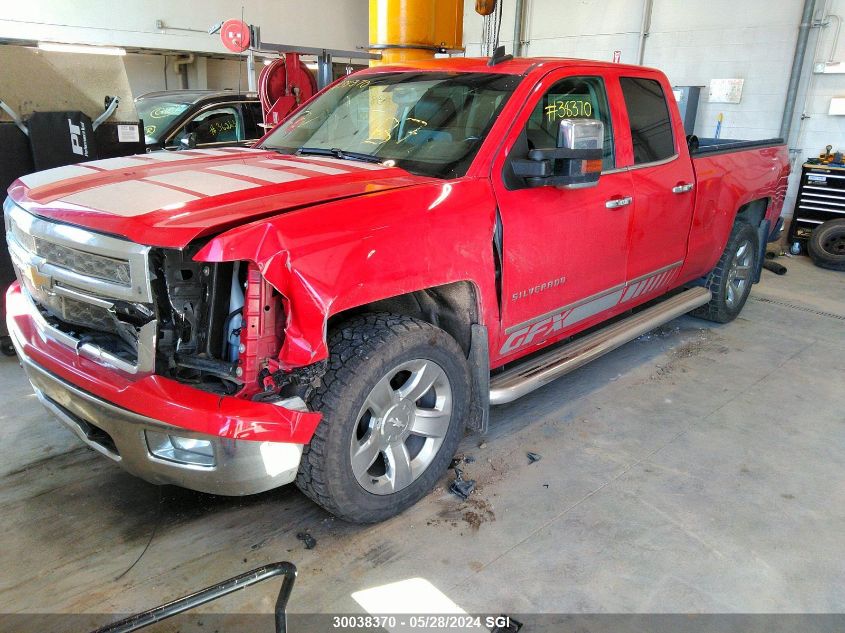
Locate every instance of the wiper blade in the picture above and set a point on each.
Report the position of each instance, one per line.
(338, 153)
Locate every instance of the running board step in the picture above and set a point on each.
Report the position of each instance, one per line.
(533, 374)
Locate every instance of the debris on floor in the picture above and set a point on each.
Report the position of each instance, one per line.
(461, 459)
(533, 457)
(778, 269)
(462, 487)
(305, 537)
(478, 511)
(661, 331)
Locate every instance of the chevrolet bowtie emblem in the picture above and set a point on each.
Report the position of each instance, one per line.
(37, 278)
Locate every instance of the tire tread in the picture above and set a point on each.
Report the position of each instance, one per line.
(815, 248)
(716, 309)
(350, 344)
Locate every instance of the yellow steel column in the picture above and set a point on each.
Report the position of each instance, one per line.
(407, 30)
(404, 31)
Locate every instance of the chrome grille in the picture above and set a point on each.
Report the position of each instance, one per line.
(76, 277)
(22, 238)
(114, 270)
(71, 310)
(100, 265)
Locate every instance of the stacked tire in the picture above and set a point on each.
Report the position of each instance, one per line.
(826, 246)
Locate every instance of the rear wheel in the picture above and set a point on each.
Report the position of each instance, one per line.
(827, 245)
(730, 281)
(394, 400)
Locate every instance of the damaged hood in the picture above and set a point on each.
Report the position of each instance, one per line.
(169, 199)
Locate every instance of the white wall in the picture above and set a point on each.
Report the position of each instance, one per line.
(324, 23)
(811, 134)
(339, 24)
(227, 73)
(146, 73)
(589, 29)
(694, 42)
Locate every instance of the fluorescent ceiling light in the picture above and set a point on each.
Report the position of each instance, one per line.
(56, 47)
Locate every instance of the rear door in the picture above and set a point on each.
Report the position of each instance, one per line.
(663, 178)
(563, 251)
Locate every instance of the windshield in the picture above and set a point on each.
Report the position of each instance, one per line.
(428, 123)
(158, 116)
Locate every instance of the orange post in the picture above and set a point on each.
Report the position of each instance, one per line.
(407, 30)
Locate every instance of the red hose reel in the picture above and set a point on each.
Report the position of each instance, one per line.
(283, 85)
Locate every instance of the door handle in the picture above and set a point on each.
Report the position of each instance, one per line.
(682, 188)
(615, 203)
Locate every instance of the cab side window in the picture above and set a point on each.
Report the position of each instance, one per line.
(218, 125)
(571, 98)
(651, 128)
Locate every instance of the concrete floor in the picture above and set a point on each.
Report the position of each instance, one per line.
(700, 468)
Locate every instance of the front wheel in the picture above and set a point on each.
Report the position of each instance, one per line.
(730, 281)
(395, 399)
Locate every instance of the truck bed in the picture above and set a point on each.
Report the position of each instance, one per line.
(730, 174)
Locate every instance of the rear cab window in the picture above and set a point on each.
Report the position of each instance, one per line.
(648, 115)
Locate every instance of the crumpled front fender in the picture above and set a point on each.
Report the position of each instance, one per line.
(264, 245)
(338, 255)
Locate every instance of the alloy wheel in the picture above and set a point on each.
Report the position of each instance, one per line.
(401, 426)
(739, 274)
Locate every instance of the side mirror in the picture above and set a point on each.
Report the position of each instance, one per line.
(575, 162)
(189, 141)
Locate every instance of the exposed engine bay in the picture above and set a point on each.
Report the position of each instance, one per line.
(220, 328)
(200, 314)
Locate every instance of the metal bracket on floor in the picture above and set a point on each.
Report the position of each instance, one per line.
(180, 605)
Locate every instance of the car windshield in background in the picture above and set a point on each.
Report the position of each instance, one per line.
(158, 115)
(428, 123)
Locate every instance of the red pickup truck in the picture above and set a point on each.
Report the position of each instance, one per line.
(338, 304)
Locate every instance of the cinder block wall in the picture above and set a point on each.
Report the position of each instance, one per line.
(133, 24)
(694, 41)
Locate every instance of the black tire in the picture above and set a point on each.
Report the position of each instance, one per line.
(364, 351)
(826, 246)
(724, 307)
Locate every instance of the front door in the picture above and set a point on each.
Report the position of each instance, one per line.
(214, 127)
(564, 251)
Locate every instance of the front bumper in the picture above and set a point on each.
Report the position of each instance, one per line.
(256, 446)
